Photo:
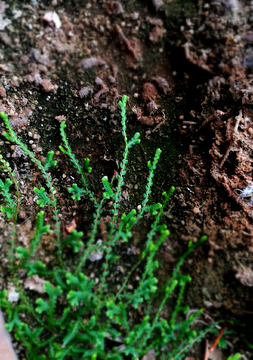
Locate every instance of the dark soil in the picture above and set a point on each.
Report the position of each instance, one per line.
(186, 68)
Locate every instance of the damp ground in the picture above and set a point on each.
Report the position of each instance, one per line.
(186, 69)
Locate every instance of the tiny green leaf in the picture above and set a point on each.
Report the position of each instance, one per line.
(43, 198)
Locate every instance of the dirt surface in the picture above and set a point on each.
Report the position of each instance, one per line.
(186, 68)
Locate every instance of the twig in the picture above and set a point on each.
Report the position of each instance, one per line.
(217, 340)
(216, 115)
(206, 351)
(126, 41)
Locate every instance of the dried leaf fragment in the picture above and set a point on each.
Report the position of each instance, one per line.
(71, 226)
(52, 17)
(35, 283)
(244, 275)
